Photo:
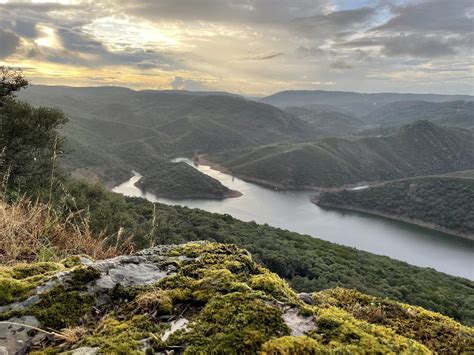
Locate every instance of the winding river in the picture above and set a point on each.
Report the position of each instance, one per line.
(293, 211)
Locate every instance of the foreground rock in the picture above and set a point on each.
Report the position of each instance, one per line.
(201, 298)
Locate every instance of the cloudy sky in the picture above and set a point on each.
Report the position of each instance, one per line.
(252, 47)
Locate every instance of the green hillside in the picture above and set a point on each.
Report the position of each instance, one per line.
(445, 202)
(359, 104)
(453, 113)
(112, 131)
(421, 148)
(172, 122)
(328, 120)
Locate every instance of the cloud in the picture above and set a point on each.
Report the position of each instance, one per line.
(224, 11)
(9, 42)
(267, 56)
(340, 65)
(227, 44)
(181, 83)
(417, 46)
(332, 24)
(304, 52)
(434, 16)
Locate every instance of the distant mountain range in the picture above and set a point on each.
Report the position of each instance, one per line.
(357, 103)
(421, 148)
(332, 121)
(451, 113)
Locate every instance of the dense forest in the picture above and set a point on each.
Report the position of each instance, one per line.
(445, 201)
(420, 148)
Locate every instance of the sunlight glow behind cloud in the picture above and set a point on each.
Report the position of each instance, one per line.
(252, 47)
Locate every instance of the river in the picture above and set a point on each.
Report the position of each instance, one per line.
(293, 211)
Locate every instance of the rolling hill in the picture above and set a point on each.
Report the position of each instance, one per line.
(453, 113)
(114, 130)
(421, 148)
(328, 120)
(358, 104)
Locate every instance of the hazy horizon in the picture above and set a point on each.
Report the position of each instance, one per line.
(243, 94)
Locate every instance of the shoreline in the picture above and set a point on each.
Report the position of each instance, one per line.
(416, 222)
(201, 160)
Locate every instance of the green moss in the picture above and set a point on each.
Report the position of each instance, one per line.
(18, 282)
(12, 290)
(73, 261)
(221, 256)
(235, 323)
(84, 275)
(339, 331)
(154, 301)
(272, 284)
(235, 306)
(215, 282)
(437, 332)
(61, 308)
(23, 271)
(289, 345)
(123, 337)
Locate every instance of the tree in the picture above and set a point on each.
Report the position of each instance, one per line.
(11, 81)
(29, 141)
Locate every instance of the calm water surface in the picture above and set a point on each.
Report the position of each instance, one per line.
(293, 211)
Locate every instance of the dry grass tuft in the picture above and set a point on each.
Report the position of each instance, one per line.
(154, 301)
(33, 232)
(71, 335)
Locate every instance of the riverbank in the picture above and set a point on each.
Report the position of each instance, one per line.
(201, 160)
(432, 226)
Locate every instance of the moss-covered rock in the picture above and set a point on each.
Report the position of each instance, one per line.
(19, 281)
(436, 331)
(213, 298)
(289, 345)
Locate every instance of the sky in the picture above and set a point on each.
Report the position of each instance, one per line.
(249, 47)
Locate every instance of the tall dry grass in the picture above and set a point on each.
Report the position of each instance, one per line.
(34, 232)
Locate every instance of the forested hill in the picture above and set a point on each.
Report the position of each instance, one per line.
(421, 148)
(443, 202)
(454, 113)
(112, 131)
(359, 104)
(172, 122)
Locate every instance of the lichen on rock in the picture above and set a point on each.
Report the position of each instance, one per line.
(204, 297)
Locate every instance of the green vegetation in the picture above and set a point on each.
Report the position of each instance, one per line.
(445, 201)
(427, 327)
(213, 289)
(309, 264)
(17, 282)
(421, 148)
(29, 142)
(180, 180)
(328, 120)
(358, 104)
(453, 113)
(112, 131)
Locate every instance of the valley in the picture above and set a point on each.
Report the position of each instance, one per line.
(236, 177)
